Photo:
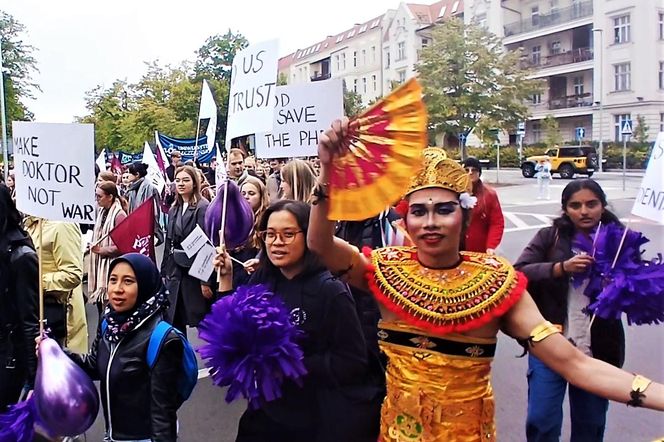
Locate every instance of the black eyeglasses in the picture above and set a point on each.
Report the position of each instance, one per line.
(286, 237)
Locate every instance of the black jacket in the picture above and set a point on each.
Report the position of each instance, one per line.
(607, 338)
(137, 403)
(19, 301)
(333, 345)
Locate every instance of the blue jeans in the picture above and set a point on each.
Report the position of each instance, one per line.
(546, 392)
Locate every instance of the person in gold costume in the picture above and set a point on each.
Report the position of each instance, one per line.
(442, 309)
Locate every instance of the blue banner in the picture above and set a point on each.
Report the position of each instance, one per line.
(186, 147)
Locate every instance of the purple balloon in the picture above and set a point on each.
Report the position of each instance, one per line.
(239, 217)
(66, 399)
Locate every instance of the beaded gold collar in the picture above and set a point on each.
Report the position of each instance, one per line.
(481, 287)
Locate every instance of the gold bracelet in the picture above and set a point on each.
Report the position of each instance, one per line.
(639, 385)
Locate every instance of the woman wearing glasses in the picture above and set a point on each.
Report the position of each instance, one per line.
(332, 341)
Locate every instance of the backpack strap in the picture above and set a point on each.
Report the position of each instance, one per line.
(156, 341)
(104, 326)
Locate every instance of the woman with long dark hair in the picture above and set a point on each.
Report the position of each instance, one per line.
(333, 344)
(190, 298)
(549, 260)
(19, 303)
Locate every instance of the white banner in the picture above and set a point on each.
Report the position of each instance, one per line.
(101, 160)
(649, 202)
(55, 170)
(303, 111)
(253, 83)
(154, 172)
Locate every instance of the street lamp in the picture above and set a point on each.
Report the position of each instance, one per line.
(601, 96)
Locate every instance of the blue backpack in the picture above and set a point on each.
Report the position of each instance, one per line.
(189, 375)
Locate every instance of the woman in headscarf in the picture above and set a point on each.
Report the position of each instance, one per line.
(140, 404)
(112, 210)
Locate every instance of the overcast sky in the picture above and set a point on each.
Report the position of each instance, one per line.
(83, 43)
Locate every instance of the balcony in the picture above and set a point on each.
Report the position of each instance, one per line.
(570, 57)
(557, 17)
(571, 101)
(319, 77)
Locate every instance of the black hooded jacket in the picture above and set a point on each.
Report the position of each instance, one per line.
(138, 403)
(19, 300)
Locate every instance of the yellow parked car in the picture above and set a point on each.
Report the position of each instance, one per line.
(565, 160)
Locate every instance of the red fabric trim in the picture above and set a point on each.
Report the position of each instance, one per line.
(507, 303)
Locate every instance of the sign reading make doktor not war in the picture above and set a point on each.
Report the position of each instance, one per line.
(54, 170)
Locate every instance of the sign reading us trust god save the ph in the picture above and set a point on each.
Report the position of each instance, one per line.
(54, 170)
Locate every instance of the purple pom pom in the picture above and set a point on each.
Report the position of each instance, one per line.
(251, 345)
(633, 286)
(239, 217)
(17, 423)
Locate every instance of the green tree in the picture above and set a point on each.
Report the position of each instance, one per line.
(19, 64)
(282, 80)
(467, 76)
(552, 135)
(641, 130)
(352, 102)
(215, 58)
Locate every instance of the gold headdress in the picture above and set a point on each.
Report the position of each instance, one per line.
(440, 172)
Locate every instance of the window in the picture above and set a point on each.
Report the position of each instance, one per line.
(661, 74)
(618, 121)
(387, 57)
(622, 76)
(364, 84)
(425, 43)
(354, 59)
(578, 85)
(373, 54)
(402, 75)
(338, 62)
(555, 13)
(534, 15)
(355, 85)
(621, 29)
(576, 8)
(537, 132)
(536, 55)
(661, 122)
(555, 47)
(375, 83)
(401, 51)
(661, 26)
(343, 61)
(536, 98)
(364, 57)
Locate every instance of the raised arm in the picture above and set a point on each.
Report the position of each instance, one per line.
(338, 256)
(593, 375)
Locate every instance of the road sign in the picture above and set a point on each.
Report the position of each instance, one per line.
(580, 133)
(626, 128)
(521, 128)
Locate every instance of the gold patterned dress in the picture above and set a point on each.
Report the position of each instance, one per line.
(438, 385)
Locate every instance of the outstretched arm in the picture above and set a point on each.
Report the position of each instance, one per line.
(337, 255)
(578, 369)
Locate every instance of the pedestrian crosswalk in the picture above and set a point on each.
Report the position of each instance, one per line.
(518, 221)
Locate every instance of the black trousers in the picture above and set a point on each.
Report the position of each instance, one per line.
(257, 426)
(13, 375)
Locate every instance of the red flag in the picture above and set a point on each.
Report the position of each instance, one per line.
(116, 165)
(136, 232)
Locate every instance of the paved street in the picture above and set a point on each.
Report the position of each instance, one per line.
(206, 417)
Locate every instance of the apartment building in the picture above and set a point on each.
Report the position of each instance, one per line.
(601, 60)
(372, 55)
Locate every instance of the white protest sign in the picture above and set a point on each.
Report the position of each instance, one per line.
(194, 241)
(303, 111)
(55, 170)
(203, 264)
(251, 98)
(649, 202)
(154, 172)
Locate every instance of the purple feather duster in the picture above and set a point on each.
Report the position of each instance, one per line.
(633, 286)
(251, 345)
(17, 423)
(239, 217)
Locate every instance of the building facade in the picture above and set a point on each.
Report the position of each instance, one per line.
(601, 61)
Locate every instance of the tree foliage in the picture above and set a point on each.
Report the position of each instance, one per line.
(215, 57)
(352, 102)
(641, 129)
(20, 65)
(552, 135)
(468, 78)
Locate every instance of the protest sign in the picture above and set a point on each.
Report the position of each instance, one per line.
(203, 264)
(302, 112)
(649, 202)
(253, 83)
(55, 170)
(155, 175)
